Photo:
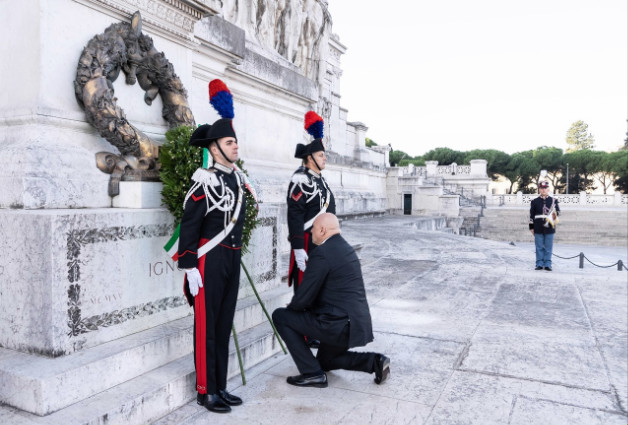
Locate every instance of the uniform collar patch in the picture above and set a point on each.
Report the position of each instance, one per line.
(226, 170)
(313, 173)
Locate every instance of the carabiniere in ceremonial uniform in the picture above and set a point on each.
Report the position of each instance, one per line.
(308, 196)
(209, 250)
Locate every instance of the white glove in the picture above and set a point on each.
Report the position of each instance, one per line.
(195, 282)
(301, 257)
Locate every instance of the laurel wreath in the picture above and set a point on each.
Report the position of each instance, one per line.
(179, 161)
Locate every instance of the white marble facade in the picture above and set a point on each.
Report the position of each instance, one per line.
(77, 272)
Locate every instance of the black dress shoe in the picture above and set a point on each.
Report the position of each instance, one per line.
(213, 402)
(549, 269)
(382, 368)
(318, 381)
(538, 268)
(230, 399)
(200, 398)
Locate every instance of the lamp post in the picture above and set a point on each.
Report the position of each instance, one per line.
(567, 178)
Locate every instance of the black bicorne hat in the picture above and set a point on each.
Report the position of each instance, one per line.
(303, 151)
(205, 134)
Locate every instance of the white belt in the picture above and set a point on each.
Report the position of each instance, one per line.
(541, 216)
(309, 223)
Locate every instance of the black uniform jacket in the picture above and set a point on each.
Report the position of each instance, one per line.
(540, 206)
(333, 289)
(196, 225)
(306, 192)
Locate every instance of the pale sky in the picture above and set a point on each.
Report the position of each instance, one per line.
(484, 74)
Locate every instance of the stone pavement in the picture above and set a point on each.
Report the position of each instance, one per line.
(476, 336)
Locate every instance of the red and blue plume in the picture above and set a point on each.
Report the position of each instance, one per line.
(314, 124)
(221, 99)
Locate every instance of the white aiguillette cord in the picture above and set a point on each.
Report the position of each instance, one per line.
(222, 235)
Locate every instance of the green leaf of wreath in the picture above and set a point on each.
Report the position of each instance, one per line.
(179, 161)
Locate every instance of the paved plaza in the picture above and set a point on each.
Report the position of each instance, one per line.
(476, 336)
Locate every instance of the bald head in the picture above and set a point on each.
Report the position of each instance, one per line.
(325, 226)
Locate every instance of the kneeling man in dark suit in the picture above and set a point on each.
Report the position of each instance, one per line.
(330, 306)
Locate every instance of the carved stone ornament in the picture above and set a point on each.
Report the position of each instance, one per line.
(123, 47)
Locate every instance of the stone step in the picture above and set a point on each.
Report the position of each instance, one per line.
(191, 413)
(55, 383)
(430, 223)
(153, 394)
(595, 227)
(578, 240)
(249, 312)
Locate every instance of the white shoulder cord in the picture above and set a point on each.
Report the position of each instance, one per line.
(222, 201)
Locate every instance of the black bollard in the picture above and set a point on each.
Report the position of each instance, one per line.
(582, 260)
(620, 265)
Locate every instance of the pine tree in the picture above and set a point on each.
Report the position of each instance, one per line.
(578, 137)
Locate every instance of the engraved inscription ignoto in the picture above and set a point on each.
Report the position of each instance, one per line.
(79, 238)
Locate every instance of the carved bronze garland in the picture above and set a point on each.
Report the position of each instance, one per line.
(123, 47)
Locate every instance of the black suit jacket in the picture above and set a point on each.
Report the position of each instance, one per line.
(333, 289)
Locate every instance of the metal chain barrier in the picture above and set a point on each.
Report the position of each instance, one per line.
(565, 258)
(620, 264)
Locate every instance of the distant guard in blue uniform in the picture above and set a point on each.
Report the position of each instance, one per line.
(544, 212)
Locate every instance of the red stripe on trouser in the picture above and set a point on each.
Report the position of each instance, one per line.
(201, 330)
(293, 262)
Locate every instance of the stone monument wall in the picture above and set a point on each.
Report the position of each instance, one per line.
(81, 268)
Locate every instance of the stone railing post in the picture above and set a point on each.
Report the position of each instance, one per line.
(430, 168)
(519, 198)
(478, 167)
(583, 198)
(617, 199)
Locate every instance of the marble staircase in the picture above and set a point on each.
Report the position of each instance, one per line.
(133, 380)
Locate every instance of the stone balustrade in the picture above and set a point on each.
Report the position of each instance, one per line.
(580, 199)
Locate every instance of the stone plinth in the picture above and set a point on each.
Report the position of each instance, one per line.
(449, 205)
(138, 195)
(86, 277)
(478, 167)
(79, 278)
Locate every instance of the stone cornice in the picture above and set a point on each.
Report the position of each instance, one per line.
(174, 16)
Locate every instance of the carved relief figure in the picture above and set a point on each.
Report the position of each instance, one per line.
(265, 28)
(289, 18)
(312, 43)
(242, 13)
(296, 29)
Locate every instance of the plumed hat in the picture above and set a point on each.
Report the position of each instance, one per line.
(544, 184)
(314, 126)
(221, 99)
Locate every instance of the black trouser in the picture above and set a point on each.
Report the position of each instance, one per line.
(295, 276)
(333, 334)
(221, 279)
